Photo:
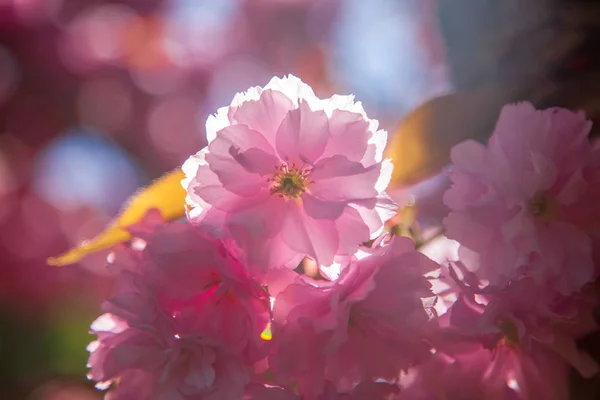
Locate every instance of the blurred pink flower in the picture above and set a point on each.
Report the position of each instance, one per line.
(512, 200)
(340, 262)
(465, 370)
(289, 175)
(157, 361)
(444, 252)
(362, 391)
(186, 321)
(366, 325)
(527, 315)
(426, 197)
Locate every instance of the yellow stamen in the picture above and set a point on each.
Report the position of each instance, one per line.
(289, 182)
(510, 331)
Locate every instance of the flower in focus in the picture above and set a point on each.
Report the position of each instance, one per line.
(288, 175)
(185, 323)
(514, 202)
(366, 325)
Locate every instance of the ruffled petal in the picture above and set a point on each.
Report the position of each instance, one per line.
(316, 238)
(353, 230)
(320, 209)
(265, 114)
(343, 125)
(234, 177)
(339, 179)
(302, 135)
(261, 220)
(212, 192)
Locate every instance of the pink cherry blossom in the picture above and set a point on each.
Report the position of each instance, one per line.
(463, 369)
(288, 175)
(540, 374)
(189, 271)
(186, 320)
(157, 361)
(527, 315)
(366, 325)
(498, 343)
(512, 200)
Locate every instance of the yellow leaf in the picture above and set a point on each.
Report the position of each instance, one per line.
(420, 144)
(165, 194)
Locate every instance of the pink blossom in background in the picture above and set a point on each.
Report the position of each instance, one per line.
(465, 369)
(362, 391)
(529, 316)
(586, 213)
(186, 321)
(366, 325)
(333, 271)
(288, 175)
(513, 200)
(157, 361)
(427, 198)
(443, 251)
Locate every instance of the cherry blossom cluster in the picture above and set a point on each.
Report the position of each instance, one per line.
(216, 306)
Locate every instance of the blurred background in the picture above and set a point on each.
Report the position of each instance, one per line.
(97, 98)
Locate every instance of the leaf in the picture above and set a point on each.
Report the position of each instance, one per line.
(420, 144)
(165, 194)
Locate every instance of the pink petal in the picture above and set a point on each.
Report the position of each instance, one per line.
(374, 390)
(279, 279)
(241, 138)
(176, 271)
(234, 177)
(353, 230)
(573, 189)
(511, 132)
(465, 191)
(343, 125)
(320, 209)
(463, 228)
(262, 220)
(470, 156)
(261, 392)
(302, 135)
(257, 161)
(316, 238)
(375, 212)
(248, 147)
(565, 346)
(265, 254)
(207, 186)
(263, 115)
(339, 179)
(211, 221)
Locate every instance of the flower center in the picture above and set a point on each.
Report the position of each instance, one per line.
(541, 206)
(510, 332)
(289, 182)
